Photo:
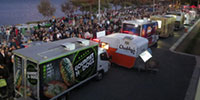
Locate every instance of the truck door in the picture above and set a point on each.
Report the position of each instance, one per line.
(103, 60)
(32, 76)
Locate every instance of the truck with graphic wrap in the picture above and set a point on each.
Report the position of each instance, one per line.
(143, 28)
(50, 70)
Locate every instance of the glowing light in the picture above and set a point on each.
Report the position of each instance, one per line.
(96, 40)
(105, 45)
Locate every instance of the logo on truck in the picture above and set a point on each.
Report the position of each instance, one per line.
(127, 48)
(85, 64)
(126, 45)
(73, 68)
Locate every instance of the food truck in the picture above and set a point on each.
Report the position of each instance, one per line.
(125, 49)
(193, 14)
(50, 70)
(25, 28)
(188, 18)
(143, 28)
(179, 23)
(165, 25)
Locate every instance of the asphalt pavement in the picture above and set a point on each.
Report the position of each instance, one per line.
(166, 43)
(170, 83)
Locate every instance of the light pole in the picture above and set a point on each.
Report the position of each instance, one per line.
(153, 5)
(99, 10)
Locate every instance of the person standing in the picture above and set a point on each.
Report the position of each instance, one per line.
(3, 83)
(7, 34)
(2, 56)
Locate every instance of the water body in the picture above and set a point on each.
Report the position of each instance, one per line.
(21, 11)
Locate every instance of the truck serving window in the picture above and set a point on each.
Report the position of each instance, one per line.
(104, 56)
(131, 29)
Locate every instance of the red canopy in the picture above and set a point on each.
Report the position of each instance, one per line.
(193, 6)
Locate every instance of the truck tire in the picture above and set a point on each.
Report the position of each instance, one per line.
(155, 45)
(99, 75)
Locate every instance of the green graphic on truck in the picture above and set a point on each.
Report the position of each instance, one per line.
(62, 73)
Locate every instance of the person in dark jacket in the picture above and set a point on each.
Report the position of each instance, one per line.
(2, 56)
(3, 83)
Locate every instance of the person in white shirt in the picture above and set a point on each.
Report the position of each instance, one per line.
(7, 34)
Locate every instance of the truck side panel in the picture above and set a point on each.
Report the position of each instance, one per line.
(61, 74)
(26, 77)
(121, 59)
(18, 74)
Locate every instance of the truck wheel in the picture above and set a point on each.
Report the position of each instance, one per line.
(99, 76)
(155, 45)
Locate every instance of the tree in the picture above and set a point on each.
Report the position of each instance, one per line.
(146, 2)
(46, 9)
(115, 3)
(68, 8)
(90, 5)
(124, 3)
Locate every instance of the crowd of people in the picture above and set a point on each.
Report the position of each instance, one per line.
(81, 26)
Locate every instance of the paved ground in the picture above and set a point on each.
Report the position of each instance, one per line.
(170, 83)
(197, 97)
(166, 43)
(191, 43)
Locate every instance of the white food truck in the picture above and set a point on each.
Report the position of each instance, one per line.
(50, 70)
(179, 23)
(125, 49)
(188, 18)
(193, 14)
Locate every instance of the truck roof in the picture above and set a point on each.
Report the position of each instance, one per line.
(160, 16)
(50, 50)
(138, 21)
(115, 39)
(136, 39)
(177, 13)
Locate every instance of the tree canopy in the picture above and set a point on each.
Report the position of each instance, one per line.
(90, 5)
(68, 8)
(46, 9)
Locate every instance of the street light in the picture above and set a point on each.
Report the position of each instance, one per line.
(153, 5)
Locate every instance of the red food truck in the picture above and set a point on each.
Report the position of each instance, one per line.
(143, 28)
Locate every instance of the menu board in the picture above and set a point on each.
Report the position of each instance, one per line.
(145, 56)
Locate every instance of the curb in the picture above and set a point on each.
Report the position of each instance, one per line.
(197, 96)
(192, 91)
(183, 37)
